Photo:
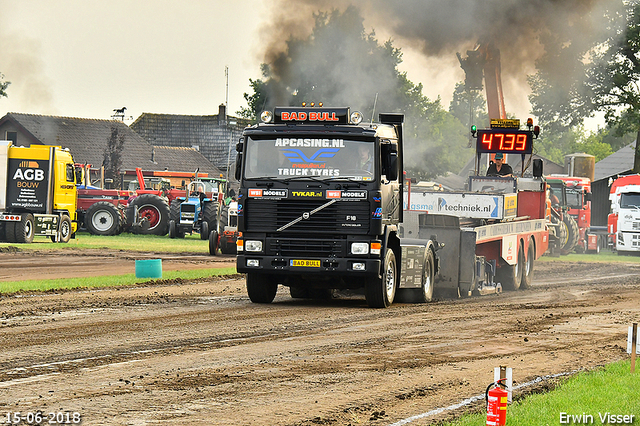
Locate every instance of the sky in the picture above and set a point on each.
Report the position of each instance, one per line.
(85, 58)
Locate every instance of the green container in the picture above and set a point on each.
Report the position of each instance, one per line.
(149, 268)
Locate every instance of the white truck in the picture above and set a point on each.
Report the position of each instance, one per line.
(624, 220)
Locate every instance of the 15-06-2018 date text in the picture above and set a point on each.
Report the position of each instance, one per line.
(40, 418)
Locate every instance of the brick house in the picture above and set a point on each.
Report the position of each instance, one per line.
(88, 141)
(215, 136)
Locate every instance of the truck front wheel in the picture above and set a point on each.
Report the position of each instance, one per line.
(65, 229)
(380, 292)
(261, 288)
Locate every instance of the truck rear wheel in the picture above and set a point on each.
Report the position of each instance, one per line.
(103, 218)
(261, 288)
(380, 292)
(24, 230)
(425, 292)
(510, 276)
(527, 273)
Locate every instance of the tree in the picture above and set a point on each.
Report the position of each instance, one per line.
(459, 106)
(3, 86)
(340, 64)
(112, 161)
(613, 81)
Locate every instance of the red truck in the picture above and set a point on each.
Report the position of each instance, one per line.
(578, 194)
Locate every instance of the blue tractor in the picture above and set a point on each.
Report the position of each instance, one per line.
(197, 212)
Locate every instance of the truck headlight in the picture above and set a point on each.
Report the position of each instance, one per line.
(253, 245)
(359, 248)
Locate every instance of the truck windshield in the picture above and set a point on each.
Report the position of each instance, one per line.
(630, 200)
(317, 158)
(574, 199)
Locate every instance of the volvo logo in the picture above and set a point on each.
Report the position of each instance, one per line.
(305, 215)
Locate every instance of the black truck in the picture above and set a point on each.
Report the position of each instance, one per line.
(320, 201)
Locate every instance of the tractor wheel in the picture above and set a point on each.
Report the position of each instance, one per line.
(172, 228)
(210, 215)
(24, 230)
(224, 219)
(573, 234)
(204, 230)
(174, 210)
(380, 292)
(527, 273)
(261, 288)
(103, 218)
(213, 243)
(153, 209)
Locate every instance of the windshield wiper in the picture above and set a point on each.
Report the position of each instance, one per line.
(269, 180)
(313, 178)
(346, 179)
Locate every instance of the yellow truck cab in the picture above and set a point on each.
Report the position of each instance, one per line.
(38, 194)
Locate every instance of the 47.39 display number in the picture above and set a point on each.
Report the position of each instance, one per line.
(41, 418)
(504, 141)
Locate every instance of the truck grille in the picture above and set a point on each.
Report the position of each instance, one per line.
(344, 217)
(303, 247)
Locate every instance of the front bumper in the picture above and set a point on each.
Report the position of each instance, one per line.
(351, 266)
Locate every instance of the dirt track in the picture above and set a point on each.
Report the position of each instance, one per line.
(201, 353)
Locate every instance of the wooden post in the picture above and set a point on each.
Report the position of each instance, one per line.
(503, 372)
(634, 334)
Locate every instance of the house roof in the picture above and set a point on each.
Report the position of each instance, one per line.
(87, 139)
(185, 160)
(619, 162)
(215, 136)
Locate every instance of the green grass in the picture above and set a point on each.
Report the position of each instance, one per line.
(107, 281)
(124, 241)
(612, 389)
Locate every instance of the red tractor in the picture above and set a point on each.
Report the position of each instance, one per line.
(578, 203)
(111, 211)
(100, 211)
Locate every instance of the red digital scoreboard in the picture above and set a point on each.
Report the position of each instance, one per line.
(508, 141)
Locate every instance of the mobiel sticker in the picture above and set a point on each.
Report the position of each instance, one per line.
(347, 194)
(268, 193)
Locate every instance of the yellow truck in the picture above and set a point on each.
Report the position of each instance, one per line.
(38, 194)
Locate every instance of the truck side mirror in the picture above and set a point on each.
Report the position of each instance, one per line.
(390, 161)
(587, 196)
(238, 166)
(239, 146)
